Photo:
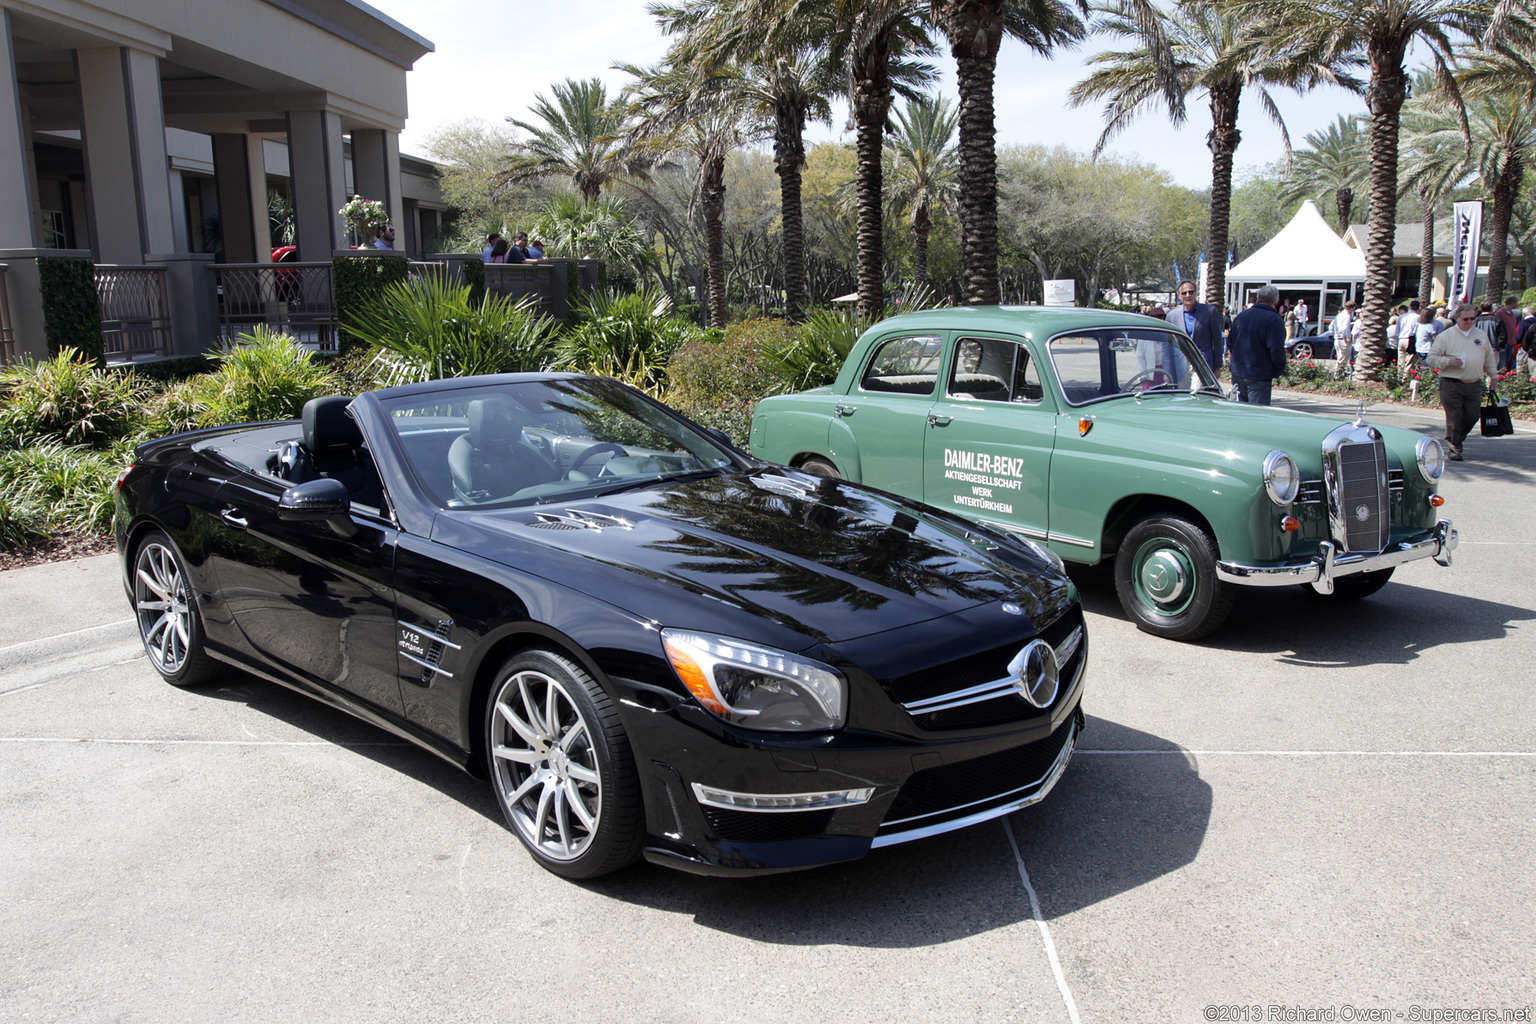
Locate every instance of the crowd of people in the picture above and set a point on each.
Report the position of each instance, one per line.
(519, 250)
(1462, 349)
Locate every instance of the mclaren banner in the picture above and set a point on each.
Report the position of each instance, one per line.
(1466, 238)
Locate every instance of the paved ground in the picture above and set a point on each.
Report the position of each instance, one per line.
(1323, 806)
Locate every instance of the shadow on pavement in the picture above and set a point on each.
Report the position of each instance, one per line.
(1112, 824)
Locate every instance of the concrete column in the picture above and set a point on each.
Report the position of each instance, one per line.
(261, 221)
(376, 173)
(18, 222)
(127, 172)
(315, 161)
(189, 293)
(233, 178)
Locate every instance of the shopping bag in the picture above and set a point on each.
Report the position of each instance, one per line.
(1494, 420)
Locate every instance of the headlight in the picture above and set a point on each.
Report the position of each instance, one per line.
(1281, 477)
(1431, 458)
(757, 687)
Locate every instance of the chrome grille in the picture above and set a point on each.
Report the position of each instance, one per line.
(1362, 518)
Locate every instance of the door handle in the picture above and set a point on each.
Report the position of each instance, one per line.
(229, 516)
(845, 410)
(938, 421)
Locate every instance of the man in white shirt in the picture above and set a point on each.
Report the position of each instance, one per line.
(1464, 356)
(1407, 329)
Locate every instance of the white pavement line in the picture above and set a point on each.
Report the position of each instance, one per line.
(80, 633)
(1316, 753)
(1045, 931)
(200, 743)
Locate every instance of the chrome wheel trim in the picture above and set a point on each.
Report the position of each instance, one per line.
(545, 765)
(163, 606)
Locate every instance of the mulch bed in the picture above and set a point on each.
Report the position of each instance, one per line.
(59, 548)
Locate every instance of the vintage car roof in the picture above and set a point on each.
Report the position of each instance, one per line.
(1015, 319)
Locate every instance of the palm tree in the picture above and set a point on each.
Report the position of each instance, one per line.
(1210, 49)
(924, 170)
(1501, 88)
(1432, 163)
(1333, 167)
(579, 139)
(674, 113)
(1381, 32)
(784, 90)
(975, 29)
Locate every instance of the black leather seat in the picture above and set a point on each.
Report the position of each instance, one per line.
(333, 447)
(491, 461)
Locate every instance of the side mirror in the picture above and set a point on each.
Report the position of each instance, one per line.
(314, 501)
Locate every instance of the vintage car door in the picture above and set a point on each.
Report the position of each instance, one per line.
(317, 605)
(987, 454)
(885, 416)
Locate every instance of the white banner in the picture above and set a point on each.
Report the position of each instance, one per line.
(1466, 241)
(1061, 293)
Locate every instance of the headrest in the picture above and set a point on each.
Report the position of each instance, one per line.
(493, 420)
(327, 425)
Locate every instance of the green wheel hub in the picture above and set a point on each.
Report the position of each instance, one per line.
(1164, 577)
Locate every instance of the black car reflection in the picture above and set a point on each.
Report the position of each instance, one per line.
(648, 642)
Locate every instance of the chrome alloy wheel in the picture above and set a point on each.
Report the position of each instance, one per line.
(545, 766)
(163, 604)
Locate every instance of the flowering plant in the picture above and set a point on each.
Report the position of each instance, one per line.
(364, 213)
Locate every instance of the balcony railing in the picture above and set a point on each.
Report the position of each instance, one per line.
(135, 313)
(297, 299)
(7, 332)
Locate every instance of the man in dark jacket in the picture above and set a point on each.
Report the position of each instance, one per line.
(1257, 343)
(1201, 322)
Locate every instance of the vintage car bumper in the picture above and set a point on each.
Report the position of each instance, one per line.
(1326, 565)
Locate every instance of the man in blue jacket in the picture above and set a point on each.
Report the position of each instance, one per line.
(1201, 322)
(1257, 341)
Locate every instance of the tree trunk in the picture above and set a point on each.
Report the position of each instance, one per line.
(975, 30)
(1384, 97)
(1223, 141)
(1505, 190)
(1426, 255)
(871, 106)
(921, 225)
(1343, 204)
(788, 160)
(712, 193)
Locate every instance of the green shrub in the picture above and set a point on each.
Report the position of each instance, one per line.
(23, 519)
(360, 281)
(814, 357)
(630, 336)
(166, 370)
(66, 398)
(71, 306)
(474, 276)
(263, 376)
(50, 486)
(717, 381)
(1528, 298)
(429, 328)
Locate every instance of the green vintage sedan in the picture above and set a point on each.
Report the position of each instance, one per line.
(1101, 434)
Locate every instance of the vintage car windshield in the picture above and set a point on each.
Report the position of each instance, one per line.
(1113, 362)
(536, 441)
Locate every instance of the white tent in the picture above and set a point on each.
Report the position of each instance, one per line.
(1304, 260)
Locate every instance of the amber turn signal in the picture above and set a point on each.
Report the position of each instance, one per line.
(1290, 524)
(1084, 425)
(1435, 501)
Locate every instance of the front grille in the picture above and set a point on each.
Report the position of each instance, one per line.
(985, 667)
(1363, 497)
(760, 827)
(1311, 493)
(968, 787)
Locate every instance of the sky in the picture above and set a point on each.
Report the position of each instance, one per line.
(492, 58)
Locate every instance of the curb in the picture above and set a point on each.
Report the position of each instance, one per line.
(81, 641)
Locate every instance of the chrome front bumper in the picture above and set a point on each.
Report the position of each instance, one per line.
(1322, 568)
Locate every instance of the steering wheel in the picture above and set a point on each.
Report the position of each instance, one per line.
(1149, 374)
(597, 449)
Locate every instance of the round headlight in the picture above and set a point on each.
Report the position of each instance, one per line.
(1431, 458)
(1281, 477)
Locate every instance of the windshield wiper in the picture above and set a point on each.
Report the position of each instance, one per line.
(687, 475)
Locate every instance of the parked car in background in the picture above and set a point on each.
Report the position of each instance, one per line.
(1105, 436)
(1316, 346)
(646, 640)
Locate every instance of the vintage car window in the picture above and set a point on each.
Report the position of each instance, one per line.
(904, 365)
(537, 441)
(1112, 362)
(984, 367)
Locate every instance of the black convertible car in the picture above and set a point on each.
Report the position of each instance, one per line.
(647, 640)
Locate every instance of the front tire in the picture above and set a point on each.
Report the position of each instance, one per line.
(1165, 576)
(562, 767)
(166, 609)
(817, 466)
(1302, 350)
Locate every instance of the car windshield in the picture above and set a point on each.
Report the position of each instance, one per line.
(531, 442)
(1111, 362)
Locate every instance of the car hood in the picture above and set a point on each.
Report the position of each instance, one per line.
(1300, 434)
(827, 560)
